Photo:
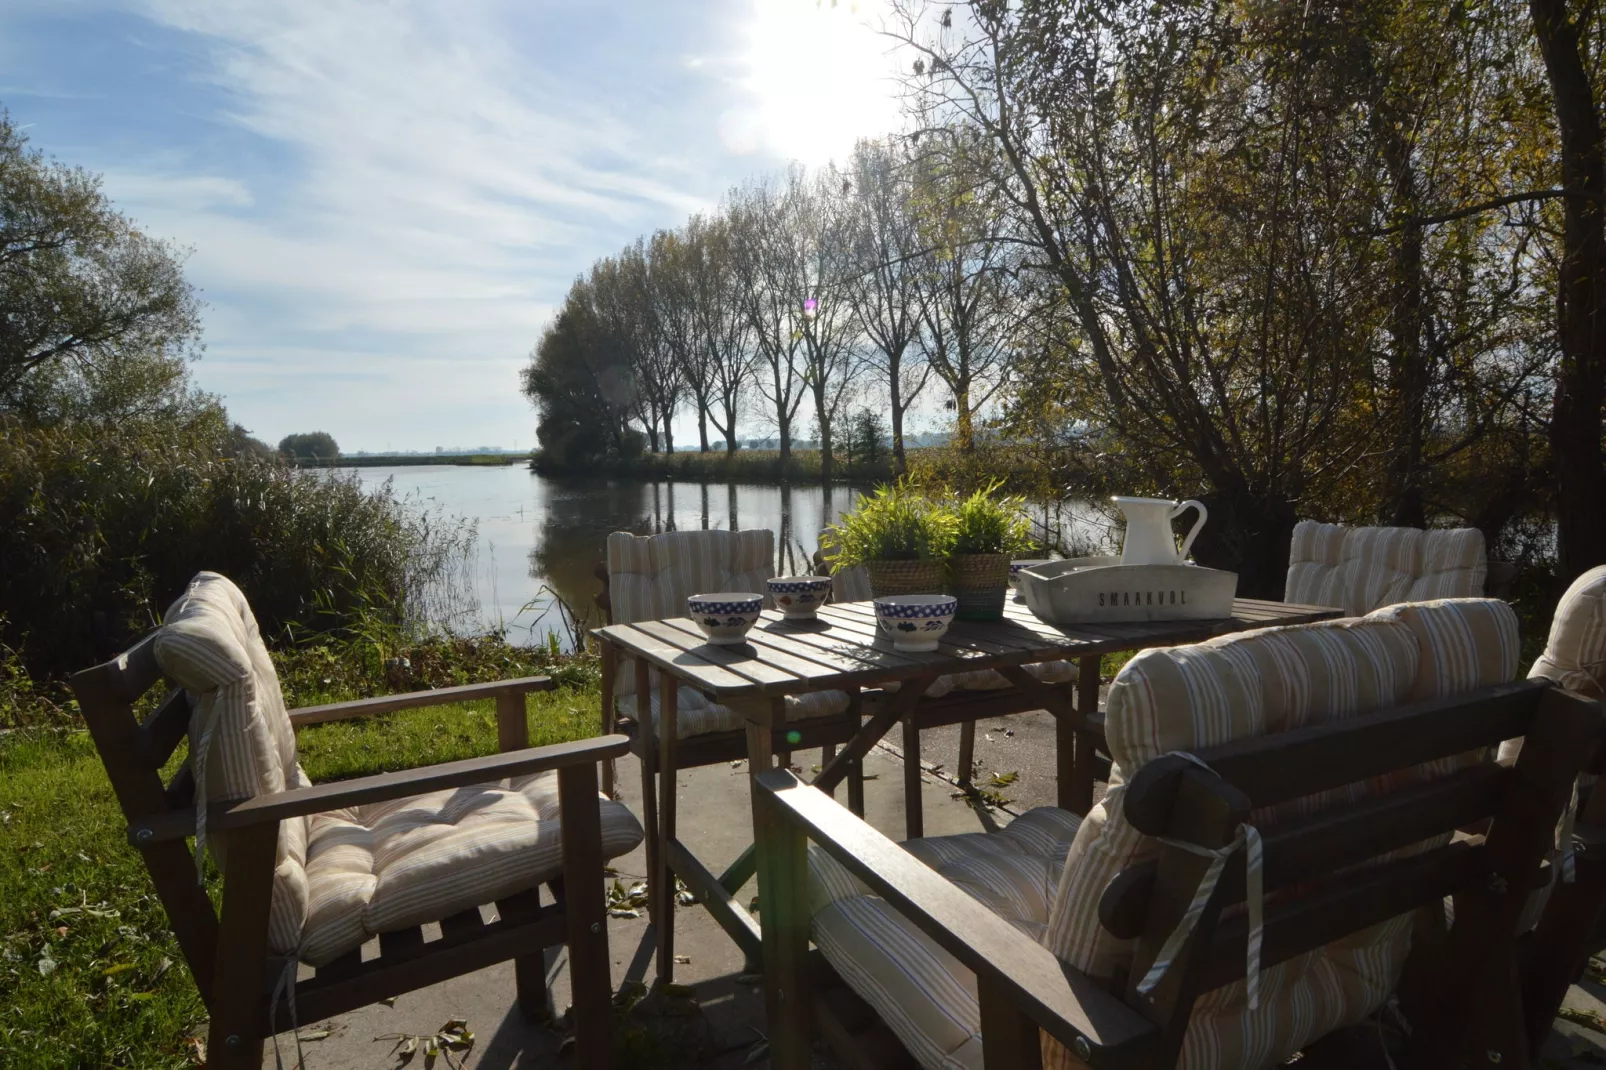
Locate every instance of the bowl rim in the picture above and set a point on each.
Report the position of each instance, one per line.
(799, 579)
(726, 596)
(916, 599)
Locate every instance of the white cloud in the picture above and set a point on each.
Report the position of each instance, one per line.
(396, 193)
(815, 77)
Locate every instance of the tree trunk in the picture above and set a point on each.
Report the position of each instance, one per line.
(783, 428)
(1248, 534)
(964, 431)
(652, 433)
(1575, 422)
(702, 426)
(900, 463)
(827, 461)
(1410, 372)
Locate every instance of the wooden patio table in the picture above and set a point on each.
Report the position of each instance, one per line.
(844, 650)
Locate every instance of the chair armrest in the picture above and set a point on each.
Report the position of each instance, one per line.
(399, 785)
(440, 696)
(1066, 1003)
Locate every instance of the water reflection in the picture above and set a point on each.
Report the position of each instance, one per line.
(537, 533)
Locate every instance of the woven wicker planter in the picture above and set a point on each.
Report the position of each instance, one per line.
(904, 577)
(981, 583)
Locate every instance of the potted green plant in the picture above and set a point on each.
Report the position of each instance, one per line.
(987, 532)
(901, 538)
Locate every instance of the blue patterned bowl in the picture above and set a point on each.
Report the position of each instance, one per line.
(798, 597)
(916, 622)
(726, 617)
(1014, 573)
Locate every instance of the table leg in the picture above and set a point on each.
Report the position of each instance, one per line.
(1076, 790)
(967, 751)
(647, 748)
(761, 716)
(856, 770)
(913, 809)
(610, 715)
(663, 877)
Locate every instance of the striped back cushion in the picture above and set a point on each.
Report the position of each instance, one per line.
(849, 585)
(1193, 697)
(1465, 643)
(1575, 655)
(651, 576)
(1360, 569)
(241, 742)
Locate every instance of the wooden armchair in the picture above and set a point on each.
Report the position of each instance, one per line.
(1349, 752)
(298, 887)
(1560, 945)
(1318, 890)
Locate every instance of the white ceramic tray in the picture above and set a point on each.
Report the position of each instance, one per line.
(1083, 590)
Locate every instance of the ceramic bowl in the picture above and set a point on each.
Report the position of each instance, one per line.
(916, 621)
(798, 597)
(1014, 572)
(725, 617)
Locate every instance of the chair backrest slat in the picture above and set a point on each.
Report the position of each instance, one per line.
(1289, 765)
(133, 755)
(1344, 905)
(159, 736)
(1308, 848)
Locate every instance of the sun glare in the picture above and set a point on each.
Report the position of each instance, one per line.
(817, 77)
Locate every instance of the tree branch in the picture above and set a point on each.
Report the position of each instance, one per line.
(1472, 209)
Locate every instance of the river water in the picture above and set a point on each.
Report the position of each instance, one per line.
(540, 539)
(540, 536)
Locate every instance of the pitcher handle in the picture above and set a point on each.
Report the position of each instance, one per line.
(1182, 555)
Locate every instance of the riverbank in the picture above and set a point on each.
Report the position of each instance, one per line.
(394, 460)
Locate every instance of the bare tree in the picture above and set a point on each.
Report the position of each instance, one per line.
(724, 332)
(883, 285)
(967, 272)
(765, 268)
(672, 298)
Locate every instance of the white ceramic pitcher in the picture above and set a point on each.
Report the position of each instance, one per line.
(1149, 540)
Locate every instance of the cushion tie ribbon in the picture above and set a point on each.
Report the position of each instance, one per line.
(1248, 838)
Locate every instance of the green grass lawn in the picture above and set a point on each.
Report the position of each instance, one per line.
(90, 975)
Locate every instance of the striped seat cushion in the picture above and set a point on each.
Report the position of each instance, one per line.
(696, 714)
(1361, 569)
(343, 876)
(393, 865)
(1253, 684)
(1048, 672)
(923, 994)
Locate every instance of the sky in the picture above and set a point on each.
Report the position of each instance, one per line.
(383, 201)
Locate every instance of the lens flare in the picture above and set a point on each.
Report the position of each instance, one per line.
(794, 737)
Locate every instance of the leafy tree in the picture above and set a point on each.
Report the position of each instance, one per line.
(582, 384)
(241, 443)
(89, 305)
(309, 446)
